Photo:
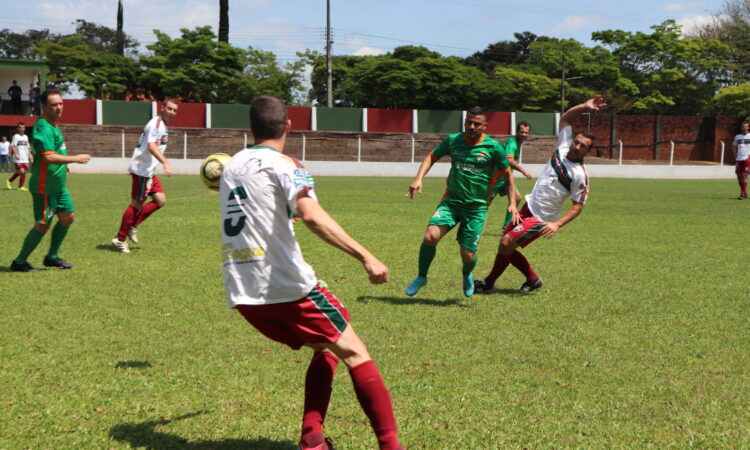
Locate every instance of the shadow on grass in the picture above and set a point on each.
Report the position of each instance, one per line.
(515, 293)
(415, 301)
(132, 365)
(112, 248)
(145, 435)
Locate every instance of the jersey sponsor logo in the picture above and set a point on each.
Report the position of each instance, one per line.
(482, 157)
(235, 221)
(230, 253)
(303, 178)
(468, 167)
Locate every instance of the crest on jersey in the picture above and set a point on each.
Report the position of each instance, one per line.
(303, 178)
(482, 157)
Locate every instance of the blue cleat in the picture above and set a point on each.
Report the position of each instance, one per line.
(468, 285)
(413, 288)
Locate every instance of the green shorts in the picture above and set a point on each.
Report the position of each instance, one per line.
(472, 223)
(47, 205)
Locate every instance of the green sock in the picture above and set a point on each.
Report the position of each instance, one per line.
(426, 255)
(58, 236)
(508, 218)
(29, 244)
(469, 266)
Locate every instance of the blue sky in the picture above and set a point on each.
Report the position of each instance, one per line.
(451, 27)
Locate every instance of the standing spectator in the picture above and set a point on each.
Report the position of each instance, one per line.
(4, 154)
(741, 146)
(35, 103)
(15, 93)
(22, 157)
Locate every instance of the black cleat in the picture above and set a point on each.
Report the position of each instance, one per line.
(742, 197)
(529, 286)
(480, 287)
(25, 267)
(57, 262)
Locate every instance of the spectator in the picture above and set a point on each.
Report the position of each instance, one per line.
(15, 93)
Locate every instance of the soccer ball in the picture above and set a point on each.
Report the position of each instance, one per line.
(211, 169)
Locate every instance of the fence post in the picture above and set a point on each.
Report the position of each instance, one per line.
(122, 144)
(412, 148)
(245, 134)
(620, 144)
(520, 154)
(721, 161)
(184, 145)
(359, 148)
(304, 142)
(671, 152)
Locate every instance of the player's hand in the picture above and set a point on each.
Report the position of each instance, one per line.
(168, 169)
(83, 159)
(527, 174)
(549, 229)
(516, 219)
(415, 186)
(377, 271)
(596, 103)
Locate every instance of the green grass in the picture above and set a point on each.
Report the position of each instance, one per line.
(639, 337)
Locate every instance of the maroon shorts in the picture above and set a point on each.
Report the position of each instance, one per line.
(742, 167)
(317, 318)
(24, 166)
(144, 186)
(526, 231)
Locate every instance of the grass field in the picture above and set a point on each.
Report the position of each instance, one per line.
(639, 338)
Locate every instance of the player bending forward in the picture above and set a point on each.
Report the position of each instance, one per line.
(563, 177)
(147, 154)
(275, 290)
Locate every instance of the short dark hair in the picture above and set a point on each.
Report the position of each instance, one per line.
(745, 122)
(476, 111)
(47, 93)
(20, 124)
(524, 124)
(268, 117)
(587, 135)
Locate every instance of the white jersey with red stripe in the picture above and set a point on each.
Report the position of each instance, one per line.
(742, 144)
(560, 179)
(262, 261)
(21, 143)
(143, 162)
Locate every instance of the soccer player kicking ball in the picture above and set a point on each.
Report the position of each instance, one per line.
(50, 197)
(272, 286)
(474, 158)
(147, 154)
(563, 177)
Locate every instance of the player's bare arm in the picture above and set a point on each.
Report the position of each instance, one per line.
(154, 150)
(515, 166)
(593, 104)
(54, 158)
(512, 206)
(550, 228)
(416, 185)
(326, 228)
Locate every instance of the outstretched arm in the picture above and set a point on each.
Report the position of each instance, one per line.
(416, 185)
(327, 229)
(550, 228)
(592, 104)
(515, 166)
(54, 158)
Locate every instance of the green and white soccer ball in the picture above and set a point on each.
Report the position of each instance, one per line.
(212, 168)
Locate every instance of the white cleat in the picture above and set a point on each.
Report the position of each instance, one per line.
(121, 245)
(133, 235)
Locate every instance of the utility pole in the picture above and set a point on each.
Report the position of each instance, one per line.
(562, 87)
(329, 44)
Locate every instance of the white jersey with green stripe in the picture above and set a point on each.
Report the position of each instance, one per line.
(262, 261)
(742, 143)
(560, 179)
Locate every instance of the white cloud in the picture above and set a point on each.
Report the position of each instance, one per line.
(368, 51)
(681, 7)
(573, 23)
(690, 24)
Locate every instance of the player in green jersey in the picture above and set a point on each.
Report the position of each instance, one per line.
(48, 175)
(474, 158)
(513, 153)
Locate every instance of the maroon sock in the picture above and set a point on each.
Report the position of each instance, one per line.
(375, 400)
(501, 262)
(22, 180)
(318, 387)
(522, 264)
(743, 184)
(128, 219)
(147, 210)
(15, 175)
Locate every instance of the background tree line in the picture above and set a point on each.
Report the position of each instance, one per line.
(660, 72)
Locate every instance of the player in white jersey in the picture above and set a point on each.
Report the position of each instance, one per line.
(741, 146)
(276, 291)
(19, 151)
(4, 154)
(563, 177)
(148, 153)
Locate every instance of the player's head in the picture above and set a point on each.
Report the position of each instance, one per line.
(522, 131)
(582, 142)
(269, 118)
(475, 123)
(5, 139)
(168, 109)
(52, 103)
(20, 127)
(745, 127)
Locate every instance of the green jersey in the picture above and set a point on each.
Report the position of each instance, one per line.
(512, 150)
(472, 167)
(47, 178)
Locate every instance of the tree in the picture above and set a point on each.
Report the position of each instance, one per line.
(24, 45)
(102, 39)
(224, 21)
(120, 41)
(731, 26)
(733, 101)
(262, 75)
(504, 53)
(194, 66)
